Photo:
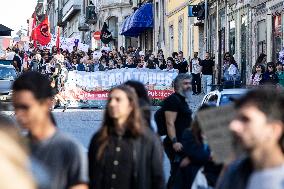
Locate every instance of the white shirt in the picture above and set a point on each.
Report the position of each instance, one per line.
(272, 178)
(196, 68)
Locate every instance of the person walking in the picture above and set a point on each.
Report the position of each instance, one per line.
(125, 153)
(207, 68)
(178, 118)
(195, 70)
(60, 155)
(259, 129)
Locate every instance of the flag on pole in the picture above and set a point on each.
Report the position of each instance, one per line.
(106, 36)
(33, 27)
(58, 40)
(42, 33)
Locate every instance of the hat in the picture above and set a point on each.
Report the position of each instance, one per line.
(141, 53)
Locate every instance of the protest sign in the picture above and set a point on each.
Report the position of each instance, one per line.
(214, 123)
(90, 87)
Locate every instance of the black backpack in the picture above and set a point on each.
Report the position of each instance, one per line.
(160, 119)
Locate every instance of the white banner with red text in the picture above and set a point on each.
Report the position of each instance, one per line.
(90, 89)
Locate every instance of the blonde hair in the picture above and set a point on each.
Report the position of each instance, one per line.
(14, 172)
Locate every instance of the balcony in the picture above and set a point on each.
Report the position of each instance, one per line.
(70, 8)
(114, 3)
(82, 25)
(91, 16)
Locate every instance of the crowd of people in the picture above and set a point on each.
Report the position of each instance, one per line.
(126, 153)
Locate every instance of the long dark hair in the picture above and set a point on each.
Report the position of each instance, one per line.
(134, 123)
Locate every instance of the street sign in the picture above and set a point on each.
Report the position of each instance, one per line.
(97, 35)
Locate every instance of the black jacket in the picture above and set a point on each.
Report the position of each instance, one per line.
(148, 170)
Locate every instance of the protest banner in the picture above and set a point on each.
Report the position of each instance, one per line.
(214, 123)
(86, 89)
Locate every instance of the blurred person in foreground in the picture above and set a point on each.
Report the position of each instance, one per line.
(125, 153)
(259, 128)
(59, 154)
(14, 161)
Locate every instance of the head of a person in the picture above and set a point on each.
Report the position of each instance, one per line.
(279, 66)
(260, 68)
(259, 123)
(170, 63)
(32, 99)
(174, 54)
(271, 67)
(122, 109)
(121, 48)
(130, 49)
(160, 52)
(182, 84)
(130, 60)
(180, 55)
(227, 56)
(195, 55)
(16, 50)
(75, 48)
(261, 59)
(207, 55)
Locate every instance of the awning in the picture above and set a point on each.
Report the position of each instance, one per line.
(139, 21)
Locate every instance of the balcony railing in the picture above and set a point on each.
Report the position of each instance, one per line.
(110, 3)
(70, 7)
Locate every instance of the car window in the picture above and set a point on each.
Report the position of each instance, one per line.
(7, 73)
(228, 98)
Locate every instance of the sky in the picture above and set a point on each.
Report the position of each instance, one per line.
(14, 13)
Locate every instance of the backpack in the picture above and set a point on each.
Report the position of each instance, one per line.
(160, 119)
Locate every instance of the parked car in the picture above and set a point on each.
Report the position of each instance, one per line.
(223, 97)
(8, 74)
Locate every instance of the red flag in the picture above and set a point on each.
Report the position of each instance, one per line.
(42, 33)
(58, 40)
(33, 27)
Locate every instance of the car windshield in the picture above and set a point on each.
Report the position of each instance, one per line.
(7, 73)
(228, 98)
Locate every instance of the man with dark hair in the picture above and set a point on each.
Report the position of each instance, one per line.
(178, 118)
(259, 127)
(182, 64)
(60, 155)
(17, 61)
(207, 72)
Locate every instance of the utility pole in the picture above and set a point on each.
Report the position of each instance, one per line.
(205, 26)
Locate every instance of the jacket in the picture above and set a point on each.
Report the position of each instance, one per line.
(236, 175)
(148, 170)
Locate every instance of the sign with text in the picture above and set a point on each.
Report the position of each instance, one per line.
(90, 87)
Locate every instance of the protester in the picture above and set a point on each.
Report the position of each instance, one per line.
(124, 153)
(60, 155)
(258, 127)
(195, 70)
(280, 73)
(257, 75)
(270, 77)
(182, 64)
(207, 70)
(178, 118)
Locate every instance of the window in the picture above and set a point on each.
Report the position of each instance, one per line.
(232, 37)
(180, 35)
(261, 35)
(277, 36)
(171, 38)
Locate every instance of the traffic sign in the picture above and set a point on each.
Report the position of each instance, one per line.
(97, 35)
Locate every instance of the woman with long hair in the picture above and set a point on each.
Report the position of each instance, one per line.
(125, 153)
